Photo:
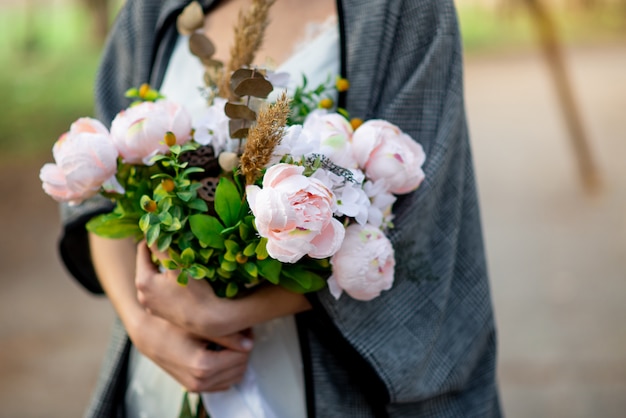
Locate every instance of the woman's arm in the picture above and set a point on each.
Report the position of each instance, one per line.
(195, 307)
(175, 349)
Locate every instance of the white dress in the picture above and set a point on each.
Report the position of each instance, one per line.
(274, 382)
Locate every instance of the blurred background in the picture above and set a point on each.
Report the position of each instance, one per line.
(546, 102)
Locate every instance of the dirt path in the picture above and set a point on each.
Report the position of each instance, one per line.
(557, 257)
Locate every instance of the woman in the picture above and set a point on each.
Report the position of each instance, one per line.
(424, 348)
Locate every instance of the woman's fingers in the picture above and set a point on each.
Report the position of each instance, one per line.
(186, 357)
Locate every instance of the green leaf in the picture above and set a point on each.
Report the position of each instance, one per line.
(188, 256)
(198, 204)
(192, 170)
(299, 280)
(251, 269)
(112, 226)
(153, 234)
(183, 278)
(232, 257)
(166, 218)
(223, 273)
(207, 229)
(261, 249)
(205, 254)
(165, 204)
(244, 231)
(231, 246)
(227, 202)
(170, 264)
(185, 196)
(197, 271)
(229, 266)
(270, 269)
(231, 290)
(250, 249)
(164, 241)
(175, 225)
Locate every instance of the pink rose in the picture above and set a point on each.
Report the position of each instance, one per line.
(85, 160)
(385, 152)
(364, 265)
(295, 214)
(138, 132)
(334, 134)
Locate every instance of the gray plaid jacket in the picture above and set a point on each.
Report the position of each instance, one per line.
(426, 348)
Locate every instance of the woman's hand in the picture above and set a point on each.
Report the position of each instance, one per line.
(183, 355)
(186, 357)
(198, 310)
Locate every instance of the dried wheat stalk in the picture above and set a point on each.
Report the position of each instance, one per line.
(249, 32)
(264, 136)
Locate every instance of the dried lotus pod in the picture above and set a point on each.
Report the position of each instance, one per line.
(207, 192)
(191, 19)
(203, 157)
(201, 46)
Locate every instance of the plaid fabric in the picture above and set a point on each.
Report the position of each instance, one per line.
(429, 342)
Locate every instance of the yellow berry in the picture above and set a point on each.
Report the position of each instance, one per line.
(342, 84)
(144, 90)
(170, 139)
(168, 185)
(356, 122)
(326, 103)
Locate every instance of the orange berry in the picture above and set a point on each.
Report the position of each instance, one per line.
(168, 185)
(326, 103)
(170, 139)
(150, 206)
(241, 258)
(143, 90)
(356, 122)
(342, 84)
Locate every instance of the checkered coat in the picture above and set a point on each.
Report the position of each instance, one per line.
(425, 348)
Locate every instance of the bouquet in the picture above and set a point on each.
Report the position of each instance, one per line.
(294, 205)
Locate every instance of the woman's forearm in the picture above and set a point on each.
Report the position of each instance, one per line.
(114, 263)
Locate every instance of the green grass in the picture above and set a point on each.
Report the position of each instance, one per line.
(486, 30)
(46, 78)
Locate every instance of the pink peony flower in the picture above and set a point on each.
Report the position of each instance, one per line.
(85, 159)
(333, 133)
(138, 132)
(385, 152)
(295, 214)
(364, 265)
